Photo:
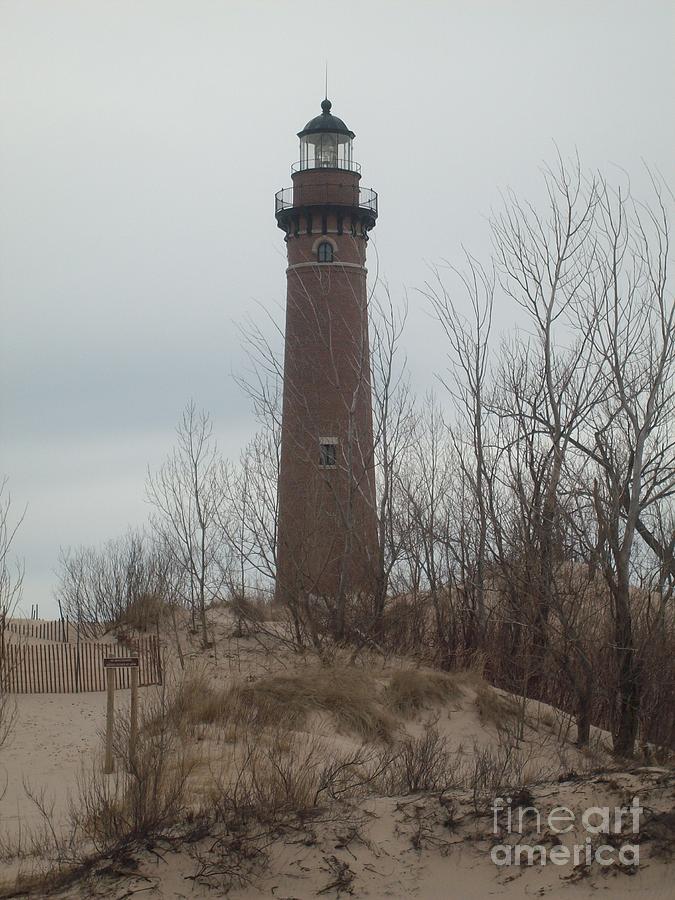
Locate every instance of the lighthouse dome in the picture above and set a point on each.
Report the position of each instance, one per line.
(326, 142)
(326, 122)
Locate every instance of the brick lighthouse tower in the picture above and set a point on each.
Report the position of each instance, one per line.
(327, 527)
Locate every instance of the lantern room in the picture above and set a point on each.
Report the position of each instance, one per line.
(326, 143)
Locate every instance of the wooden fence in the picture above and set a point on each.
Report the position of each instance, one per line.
(58, 630)
(69, 668)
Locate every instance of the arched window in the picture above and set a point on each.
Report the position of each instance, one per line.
(325, 252)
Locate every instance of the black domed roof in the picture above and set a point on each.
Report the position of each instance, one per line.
(325, 122)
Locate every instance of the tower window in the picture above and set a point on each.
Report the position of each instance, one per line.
(328, 453)
(325, 252)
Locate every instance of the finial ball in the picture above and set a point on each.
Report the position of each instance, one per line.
(325, 106)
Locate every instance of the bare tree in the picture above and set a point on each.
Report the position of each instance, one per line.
(187, 494)
(429, 531)
(546, 263)
(468, 361)
(569, 456)
(252, 512)
(632, 444)
(11, 575)
(394, 429)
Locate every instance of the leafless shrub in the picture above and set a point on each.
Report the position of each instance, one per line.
(264, 781)
(44, 841)
(407, 622)
(146, 796)
(350, 775)
(493, 773)
(418, 764)
(266, 778)
(265, 784)
(500, 771)
(125, 583)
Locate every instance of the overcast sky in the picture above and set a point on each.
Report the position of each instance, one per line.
(142, 142)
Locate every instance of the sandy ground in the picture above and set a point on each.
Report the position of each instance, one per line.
(398, 848)
(379, 847)
(54, 735)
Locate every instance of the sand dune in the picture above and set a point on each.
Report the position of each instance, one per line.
(372, 841)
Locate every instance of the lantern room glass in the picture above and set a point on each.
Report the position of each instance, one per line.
(326, 150)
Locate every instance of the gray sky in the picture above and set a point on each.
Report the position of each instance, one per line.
(142, 142)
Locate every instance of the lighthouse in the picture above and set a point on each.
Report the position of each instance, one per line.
(327, 522)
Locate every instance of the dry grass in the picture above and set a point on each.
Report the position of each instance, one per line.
(143, 613)
(410, 690)
(355, 701)
(253, 610)
(494, 708)
(195, 701)
(349, 696)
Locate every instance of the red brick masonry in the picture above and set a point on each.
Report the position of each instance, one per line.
(327, 534)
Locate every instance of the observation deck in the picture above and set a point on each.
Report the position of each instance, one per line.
(332, 195)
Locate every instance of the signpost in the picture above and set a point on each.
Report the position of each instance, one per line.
(110, 663)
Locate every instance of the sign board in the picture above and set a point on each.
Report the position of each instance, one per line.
(121, 662)
(110, 663)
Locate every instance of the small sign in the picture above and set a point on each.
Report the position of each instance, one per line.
(121, 662)
(110, 663)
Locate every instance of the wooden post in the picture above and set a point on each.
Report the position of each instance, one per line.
(133, 716)
(110, 663)
(110, 718)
